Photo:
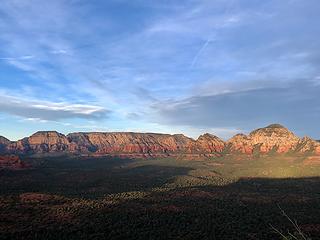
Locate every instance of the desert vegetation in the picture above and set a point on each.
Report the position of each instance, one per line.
(110, 198)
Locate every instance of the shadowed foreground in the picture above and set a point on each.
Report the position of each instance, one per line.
(125, 199)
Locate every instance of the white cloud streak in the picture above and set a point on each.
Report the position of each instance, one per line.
(199, 52)
(49, 111)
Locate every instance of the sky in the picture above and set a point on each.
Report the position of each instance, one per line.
(170, 66)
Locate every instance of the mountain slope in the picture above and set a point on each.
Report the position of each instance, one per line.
(115, 143)
(145, 143)
(274, 137)
(130, 142)
(40, 142)
(271, 139)
(308, 145)
(4, 142)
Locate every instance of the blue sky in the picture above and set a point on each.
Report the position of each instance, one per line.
(159, 66)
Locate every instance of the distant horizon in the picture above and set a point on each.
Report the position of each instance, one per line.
(192, 137)
(185, 67)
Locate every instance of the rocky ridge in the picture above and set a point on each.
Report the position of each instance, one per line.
(115, 143)
(271, 139)
(4, 142)
(274, 137)
(308, 145)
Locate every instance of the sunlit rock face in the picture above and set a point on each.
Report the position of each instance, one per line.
(308, 145)
(50, 138)
(240, 143)
(210, 144)
(274, 137)
(131, 142)
(79, 142)
(264, 140)
(115, 143)
(271, 139)
(41, 142)
(48, 142)
(145, 143)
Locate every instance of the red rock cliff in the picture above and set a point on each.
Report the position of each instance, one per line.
(271, 138)
(145, 143)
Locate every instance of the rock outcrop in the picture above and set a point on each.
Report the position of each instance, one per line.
(308, 145)
(210, 143)
(40, 142)
(274, 138)
(271, 139)
(48, 142)
(115, 143)
(4, 142)
(240, 143)
(144, 143)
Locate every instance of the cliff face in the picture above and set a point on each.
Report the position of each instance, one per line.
(264, 140)
(115, 143)
(126, 142)
(210, 143)
(4, 142)
(308, 145)
(48, 142)
(40, 142)
(240, 143)
(273, 138)
(145, 143)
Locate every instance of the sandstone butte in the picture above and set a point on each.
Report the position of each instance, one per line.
(273, 138)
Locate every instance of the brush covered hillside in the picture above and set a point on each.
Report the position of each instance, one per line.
(160, 186)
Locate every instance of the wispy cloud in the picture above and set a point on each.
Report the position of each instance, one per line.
(25, 57)
(49, 111)
(59, 51)
(125, 57)
(291, 105)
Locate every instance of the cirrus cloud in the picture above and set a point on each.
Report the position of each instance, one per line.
(50, 111)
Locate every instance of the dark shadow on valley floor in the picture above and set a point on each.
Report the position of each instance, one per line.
(87, 178)
(131, 202)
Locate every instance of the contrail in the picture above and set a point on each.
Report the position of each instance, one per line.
(230, 6)
(204, 46)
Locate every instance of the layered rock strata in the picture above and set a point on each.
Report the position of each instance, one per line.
(271, 139)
